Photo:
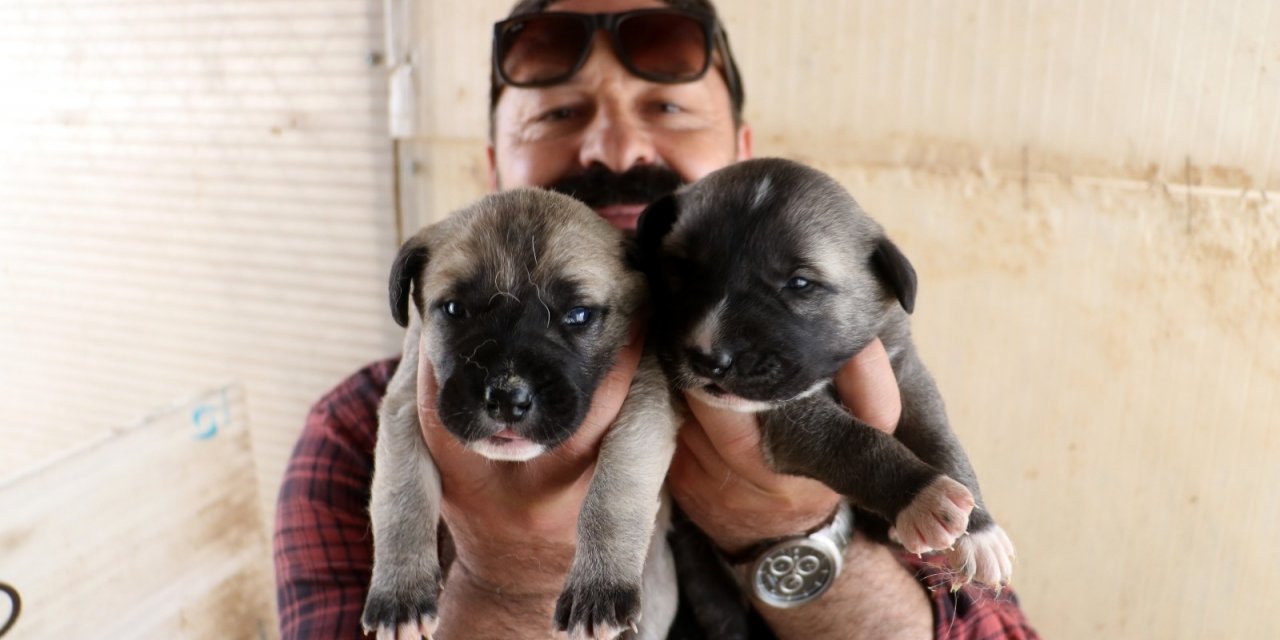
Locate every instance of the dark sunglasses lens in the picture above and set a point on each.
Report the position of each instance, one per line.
(542, 49)
(665, 46)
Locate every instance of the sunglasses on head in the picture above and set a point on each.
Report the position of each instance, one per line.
(660, 45)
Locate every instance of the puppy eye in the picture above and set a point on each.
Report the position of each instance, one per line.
(577, 317)
(454, 309)
(798, 283)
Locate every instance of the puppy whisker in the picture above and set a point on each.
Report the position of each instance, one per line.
(538, 291)
(470, 359)
(504, 294)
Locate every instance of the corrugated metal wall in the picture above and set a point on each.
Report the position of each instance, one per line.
(191, 192)
(1080, 185)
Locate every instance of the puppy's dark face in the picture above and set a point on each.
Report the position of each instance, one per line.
(525, 299)
(767, 277)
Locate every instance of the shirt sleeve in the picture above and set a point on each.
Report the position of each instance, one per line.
(972, 612)
(323, 545)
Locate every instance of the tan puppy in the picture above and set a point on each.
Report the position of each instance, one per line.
(521, 303)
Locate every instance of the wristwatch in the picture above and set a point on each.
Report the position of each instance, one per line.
(795, 571)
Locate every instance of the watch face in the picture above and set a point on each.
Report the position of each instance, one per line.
(793, 573)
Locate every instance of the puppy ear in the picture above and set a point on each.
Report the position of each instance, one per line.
(654, 224)
(631, 254)
(406, 268)
(896, 272)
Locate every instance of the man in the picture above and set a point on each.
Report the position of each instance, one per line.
(623, 126)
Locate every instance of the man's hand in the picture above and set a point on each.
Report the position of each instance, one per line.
(722, 483)
(514, 524)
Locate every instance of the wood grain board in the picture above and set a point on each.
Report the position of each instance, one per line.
(151, 532)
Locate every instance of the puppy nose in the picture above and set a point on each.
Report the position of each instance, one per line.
(508, 401)
(711, 365)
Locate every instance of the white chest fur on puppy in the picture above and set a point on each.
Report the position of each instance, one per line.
(521, 302)
(767, 277)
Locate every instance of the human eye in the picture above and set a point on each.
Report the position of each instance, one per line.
(673, 109)
(557, 114)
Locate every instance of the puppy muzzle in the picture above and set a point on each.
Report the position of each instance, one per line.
(751, 375)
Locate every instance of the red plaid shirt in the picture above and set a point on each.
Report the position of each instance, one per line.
(324, 548)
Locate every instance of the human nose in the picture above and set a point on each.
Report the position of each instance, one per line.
(616, 141)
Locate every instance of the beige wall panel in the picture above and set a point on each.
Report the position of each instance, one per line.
(1113, 371)
(451, 44)
(1090, 87)
(443, 176)
(190, 192)
(149, 532)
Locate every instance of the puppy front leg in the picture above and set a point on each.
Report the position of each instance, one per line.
(816, 437)
(602, 593)
(659, 594)
(986, 554)
(405, 510)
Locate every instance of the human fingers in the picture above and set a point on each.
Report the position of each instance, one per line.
(868, 388)
(733, 436)
(737, 509)
(700, 467)
(696, 466)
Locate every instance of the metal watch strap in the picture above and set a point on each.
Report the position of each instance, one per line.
(794, 571)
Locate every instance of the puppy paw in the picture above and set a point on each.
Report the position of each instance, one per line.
(984, 556)
(597, 610)
(936, 517)
(402, 612)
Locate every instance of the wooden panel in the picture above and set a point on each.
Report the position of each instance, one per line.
(151, 532)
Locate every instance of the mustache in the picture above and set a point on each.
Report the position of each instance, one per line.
(599, 186)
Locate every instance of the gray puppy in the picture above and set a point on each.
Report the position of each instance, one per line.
(521, 303)
(767, 278)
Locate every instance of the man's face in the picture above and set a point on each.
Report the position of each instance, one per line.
(606, 118)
